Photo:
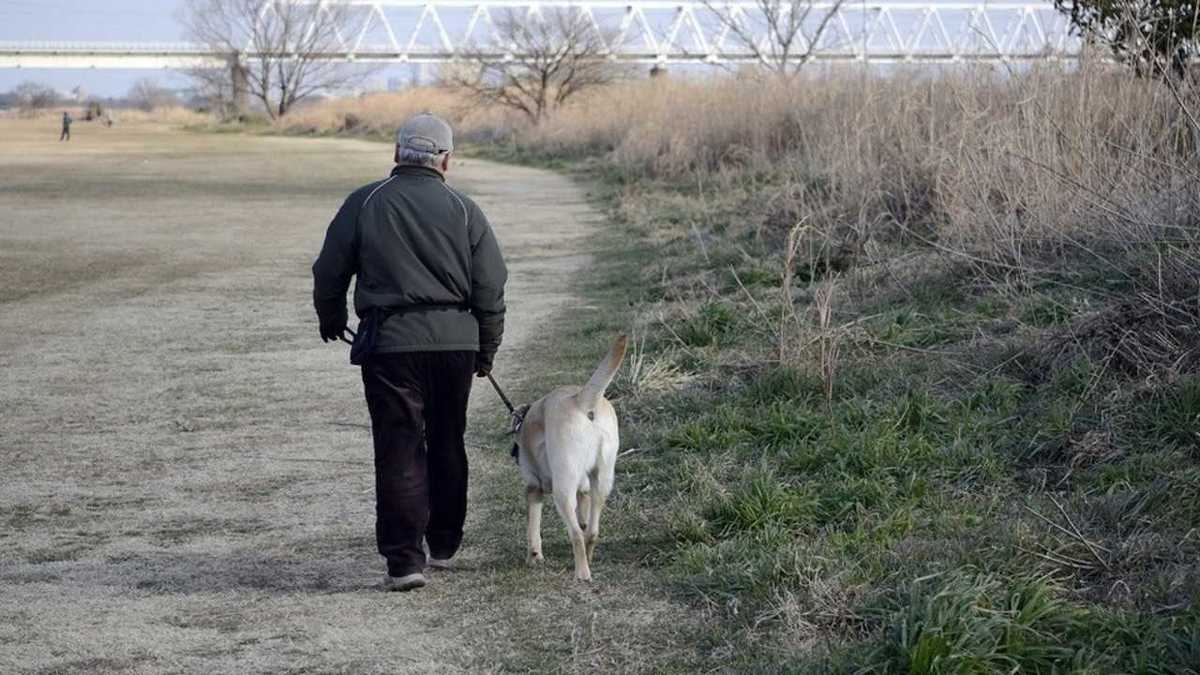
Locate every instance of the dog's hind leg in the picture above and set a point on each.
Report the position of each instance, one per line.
(602, 485)
(566, 500)
(585, 506)
(592, 533)
(533, 500)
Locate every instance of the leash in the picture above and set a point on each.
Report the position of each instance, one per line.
(517, 414)
(507, 403)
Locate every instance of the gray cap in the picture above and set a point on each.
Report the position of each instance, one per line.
(426, 133)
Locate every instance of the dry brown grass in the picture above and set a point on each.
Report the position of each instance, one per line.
(1047, 176)
(174, 115)
(981, 155)
(381, 113)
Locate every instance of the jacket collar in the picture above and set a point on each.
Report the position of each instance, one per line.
(414, 170)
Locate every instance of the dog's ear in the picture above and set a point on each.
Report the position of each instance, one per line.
(516, 451)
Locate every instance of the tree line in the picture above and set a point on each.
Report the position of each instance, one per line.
(145, 94)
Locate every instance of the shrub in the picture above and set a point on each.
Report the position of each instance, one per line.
(1174, 417)
(964, 623)
(711, 324)
(31, 96)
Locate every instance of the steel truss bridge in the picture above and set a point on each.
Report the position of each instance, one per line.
(639, 31)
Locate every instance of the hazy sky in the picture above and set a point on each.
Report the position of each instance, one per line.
(132, 20)
(103, 21)
(87, 20)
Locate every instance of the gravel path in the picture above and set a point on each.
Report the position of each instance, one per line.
(186, 482)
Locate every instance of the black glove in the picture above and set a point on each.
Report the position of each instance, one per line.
(333, 329)
(483, 364)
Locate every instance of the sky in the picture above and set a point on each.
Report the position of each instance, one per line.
(121, 20)
(104, 21)
(89, 20)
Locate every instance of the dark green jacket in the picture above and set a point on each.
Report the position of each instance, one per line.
(422, 250)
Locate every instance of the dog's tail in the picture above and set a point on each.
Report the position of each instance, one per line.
(593, 391)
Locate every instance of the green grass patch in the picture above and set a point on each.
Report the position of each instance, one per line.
(911, 523)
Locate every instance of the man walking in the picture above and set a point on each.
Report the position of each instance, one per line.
(430, 301)
(66, 129)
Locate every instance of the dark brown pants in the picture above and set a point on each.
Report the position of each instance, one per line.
(418, 404)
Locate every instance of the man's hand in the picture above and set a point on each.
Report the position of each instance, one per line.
(332, 330)
(483, 365)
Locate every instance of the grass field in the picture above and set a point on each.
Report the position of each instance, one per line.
(917, 384)
(187, 483)
(914, 385)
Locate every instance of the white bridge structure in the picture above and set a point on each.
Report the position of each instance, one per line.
(659, 32)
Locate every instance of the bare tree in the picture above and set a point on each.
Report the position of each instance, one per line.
(221, 90)
(783, 35)
(147, 94)
(537, 61)
(278, 51)
(34, 96)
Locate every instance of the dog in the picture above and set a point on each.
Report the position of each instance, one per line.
(567, 446)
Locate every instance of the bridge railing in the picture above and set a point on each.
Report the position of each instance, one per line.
(107, 47)
(663, 31)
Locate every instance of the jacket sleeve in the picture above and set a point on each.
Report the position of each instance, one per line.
(488, 276)
(338, 261)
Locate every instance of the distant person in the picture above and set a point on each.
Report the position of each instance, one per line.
(66, 130)
(429, 296)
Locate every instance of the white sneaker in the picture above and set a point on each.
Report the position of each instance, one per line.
(405, 583)
(440, 563)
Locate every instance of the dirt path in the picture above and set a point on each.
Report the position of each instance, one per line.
(186, 481)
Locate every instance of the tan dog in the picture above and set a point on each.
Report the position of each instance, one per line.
(568, 446)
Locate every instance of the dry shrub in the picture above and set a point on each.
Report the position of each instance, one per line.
(1144, 336)
(1004, 164)
(1056, 175)
(674, 127)
(382, 113)
(42, 113)
(173, 115)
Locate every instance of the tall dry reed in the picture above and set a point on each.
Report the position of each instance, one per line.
(982, 155)
(1047, 175)
(382, 113)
